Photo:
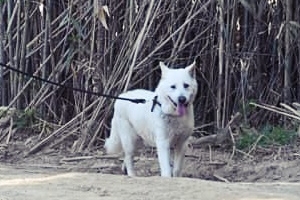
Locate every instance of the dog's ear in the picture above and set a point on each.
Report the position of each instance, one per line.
(164, 68)
(191, 69)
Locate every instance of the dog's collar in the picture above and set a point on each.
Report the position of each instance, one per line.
(154, 103)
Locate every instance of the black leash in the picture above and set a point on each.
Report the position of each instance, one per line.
(71, 88)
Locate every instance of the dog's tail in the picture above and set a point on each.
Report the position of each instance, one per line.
(113, 143)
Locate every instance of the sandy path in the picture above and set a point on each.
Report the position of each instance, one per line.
(44, 184)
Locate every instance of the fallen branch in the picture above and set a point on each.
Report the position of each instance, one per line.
(78, 158)
(218, 138)
(221, 178)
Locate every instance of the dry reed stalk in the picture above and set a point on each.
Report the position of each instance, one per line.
(67, 43)
(288, 112)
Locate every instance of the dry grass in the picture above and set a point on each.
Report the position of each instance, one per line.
(67, 42)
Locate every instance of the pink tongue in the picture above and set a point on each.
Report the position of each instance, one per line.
(181, 109)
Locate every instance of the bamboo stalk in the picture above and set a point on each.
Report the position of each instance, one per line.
(64, 42)
(287, 56)
(221, 63)
(2, 87)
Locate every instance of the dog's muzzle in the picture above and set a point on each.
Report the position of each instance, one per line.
(181, 106)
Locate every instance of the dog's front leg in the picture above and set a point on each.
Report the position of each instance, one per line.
(179, 153)
(163, 151)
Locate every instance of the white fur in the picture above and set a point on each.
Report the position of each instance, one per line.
(167, 126)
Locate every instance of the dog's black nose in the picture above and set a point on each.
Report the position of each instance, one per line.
(182, 99)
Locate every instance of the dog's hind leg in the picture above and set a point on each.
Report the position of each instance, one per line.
(179, 153)
(113, 143)
(128, 139)
(127, 166)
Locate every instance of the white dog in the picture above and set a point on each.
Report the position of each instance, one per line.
(165, 121)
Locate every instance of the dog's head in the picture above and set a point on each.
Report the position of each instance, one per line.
(177, 89)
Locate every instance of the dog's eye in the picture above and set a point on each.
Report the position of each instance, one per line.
(173, 86)
(185, 85)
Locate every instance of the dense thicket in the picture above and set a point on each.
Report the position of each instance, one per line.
(246, 50)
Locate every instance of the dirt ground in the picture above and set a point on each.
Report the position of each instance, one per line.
(34, 184)
(209, 174)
